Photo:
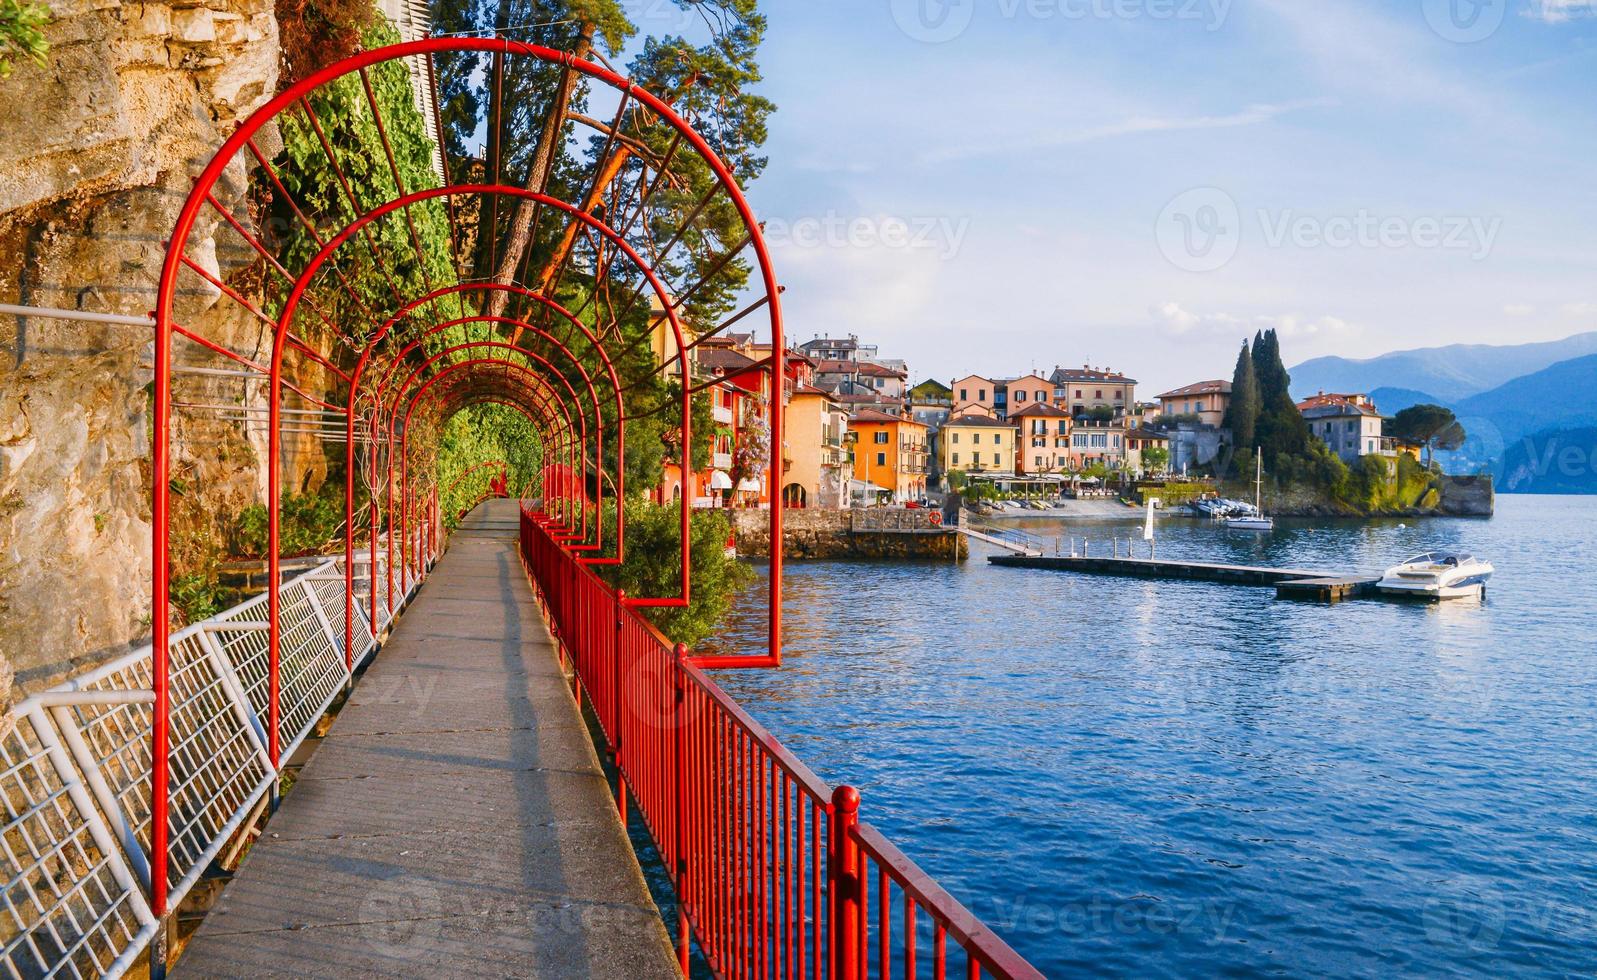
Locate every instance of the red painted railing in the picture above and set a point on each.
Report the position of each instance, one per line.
(772, 869)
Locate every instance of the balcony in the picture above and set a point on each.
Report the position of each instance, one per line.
(721, 414)
(721, 461)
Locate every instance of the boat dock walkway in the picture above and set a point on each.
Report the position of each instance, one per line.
(455, 820)
(1289, 583)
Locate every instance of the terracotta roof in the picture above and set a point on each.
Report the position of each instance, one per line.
(976, 421)
(866, 368)
(1335, 406)
(724, 359)
(1089, 374)
(1042, 409)
(1150, 434)
(1201, 388)
(872, 415)
(811, 390)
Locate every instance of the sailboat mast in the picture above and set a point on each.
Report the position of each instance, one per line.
(1258, 481)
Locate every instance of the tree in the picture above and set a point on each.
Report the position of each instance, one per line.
(1432, 426)
(1156, 458)
(1281, 431)
(1242, 414)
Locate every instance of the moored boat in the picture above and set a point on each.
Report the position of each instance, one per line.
(1438, 575)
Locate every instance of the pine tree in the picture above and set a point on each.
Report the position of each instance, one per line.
(1242, 414)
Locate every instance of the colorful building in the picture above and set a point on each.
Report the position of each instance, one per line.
(1080, 391)
(1023, 392)
(973, 443)
(1349, 424)
(890, 454)
(815, 454)
(1043, 432)
(1205, 401)
(974, 394)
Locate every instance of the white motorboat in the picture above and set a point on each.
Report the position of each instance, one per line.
(1253, 519)
(1438, 575)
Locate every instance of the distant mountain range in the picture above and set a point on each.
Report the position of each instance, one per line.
(1450, 373)
(1528, 409)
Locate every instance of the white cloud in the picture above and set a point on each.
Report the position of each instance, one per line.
(1579, 309)
(1560, 11)
(1519, 309)
(1252, 115)
(1177, 321)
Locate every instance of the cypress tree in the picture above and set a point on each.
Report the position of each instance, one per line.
(1281, 430)
(1242, 414)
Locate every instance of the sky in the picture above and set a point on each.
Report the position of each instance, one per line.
(992, 186)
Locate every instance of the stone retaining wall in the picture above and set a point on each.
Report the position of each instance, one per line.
(814, 533)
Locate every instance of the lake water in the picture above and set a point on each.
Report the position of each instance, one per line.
(1181, 779)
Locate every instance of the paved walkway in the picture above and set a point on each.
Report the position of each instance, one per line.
(455, 821)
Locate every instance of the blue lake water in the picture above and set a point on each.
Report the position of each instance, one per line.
(1179, 779)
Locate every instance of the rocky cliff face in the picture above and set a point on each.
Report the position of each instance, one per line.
(96, 155)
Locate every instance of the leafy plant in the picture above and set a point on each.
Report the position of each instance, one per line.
(22, 34)
(653, 567)
(197, 596)
(306, 527)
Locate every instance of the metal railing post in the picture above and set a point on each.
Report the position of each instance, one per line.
(843, 884)
(616, 712)
(679, 655)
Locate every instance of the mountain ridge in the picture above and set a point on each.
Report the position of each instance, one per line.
(1449, 373)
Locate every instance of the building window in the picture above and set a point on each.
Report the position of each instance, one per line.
(881, 459)
(976, 438)
(881, 438)
(1078, 392)
(964, 393)
(1098, 394)
(1039, 461)
(955, 459)
(997, 460)
(981, 394)
(1120, 395)
(954, 438)
(1020, 396)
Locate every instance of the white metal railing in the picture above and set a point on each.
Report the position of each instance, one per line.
(75, 767)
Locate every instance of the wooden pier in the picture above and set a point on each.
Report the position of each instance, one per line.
(1289, 583)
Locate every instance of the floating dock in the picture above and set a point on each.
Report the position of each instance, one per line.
(1289, 583)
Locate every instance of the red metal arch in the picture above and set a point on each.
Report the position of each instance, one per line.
(505, 382)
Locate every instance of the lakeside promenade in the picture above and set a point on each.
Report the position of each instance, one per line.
(455, 821)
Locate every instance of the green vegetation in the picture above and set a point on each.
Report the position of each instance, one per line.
(22, 34)
(197, 596)
(653, 565)
(1432, 426)
(306, 525)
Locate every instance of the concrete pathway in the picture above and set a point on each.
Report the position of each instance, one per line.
(455, 821)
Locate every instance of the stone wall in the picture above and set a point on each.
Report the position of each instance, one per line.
(817, 533)
(97, 150)
(1467, 496)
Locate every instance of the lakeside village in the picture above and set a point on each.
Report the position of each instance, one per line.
(1073, 442)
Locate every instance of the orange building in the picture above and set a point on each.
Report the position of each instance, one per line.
(890, 453)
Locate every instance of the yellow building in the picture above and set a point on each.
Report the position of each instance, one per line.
(976, 444)
(815, 465)
(890, 453)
